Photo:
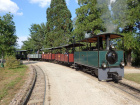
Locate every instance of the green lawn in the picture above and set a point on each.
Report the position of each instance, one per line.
(10, 82)
(133, 77)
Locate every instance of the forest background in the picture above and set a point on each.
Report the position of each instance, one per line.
(93, 16)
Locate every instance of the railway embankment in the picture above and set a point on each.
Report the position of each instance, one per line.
(11, 79)
(20, 97)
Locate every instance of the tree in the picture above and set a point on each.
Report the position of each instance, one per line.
(36, 41)
(8, 38)
(59, 24)
(91, 17)
(127, 17)
(28, 45)
(37, 33)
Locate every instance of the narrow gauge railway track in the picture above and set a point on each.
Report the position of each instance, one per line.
(37, 93)
(126, 88)
(132, 91)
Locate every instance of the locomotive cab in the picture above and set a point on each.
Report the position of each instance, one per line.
(106, 61)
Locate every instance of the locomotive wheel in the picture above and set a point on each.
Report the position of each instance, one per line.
(92, 72)
(84, 70)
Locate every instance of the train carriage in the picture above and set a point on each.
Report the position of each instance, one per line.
(102, 60)
(35, 56)
(21, 54)
(67, 57)
(106, 63)
(48, 56)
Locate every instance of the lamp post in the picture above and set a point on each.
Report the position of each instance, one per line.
(2, 65)
(73, 43)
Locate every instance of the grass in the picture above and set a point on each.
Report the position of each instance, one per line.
(10, 82)
(133, 77)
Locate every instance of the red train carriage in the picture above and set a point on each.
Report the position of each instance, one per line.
(48, 56)
(52, 56)
(63, 58)
(71, 58)
(66, 58)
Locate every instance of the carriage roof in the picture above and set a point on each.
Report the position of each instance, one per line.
(73, 45)
(21, 50)
(65, 46)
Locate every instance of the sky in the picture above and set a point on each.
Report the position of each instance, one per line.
(28, 12)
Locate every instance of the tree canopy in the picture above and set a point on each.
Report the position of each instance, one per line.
(126, 15)
(8, 38)
(37, 37)
(59, 24)
(91, 17)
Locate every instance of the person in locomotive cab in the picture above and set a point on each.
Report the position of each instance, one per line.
(112, 47)
(100, 44)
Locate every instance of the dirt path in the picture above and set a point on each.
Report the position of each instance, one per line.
(65, 86)
(131, 70)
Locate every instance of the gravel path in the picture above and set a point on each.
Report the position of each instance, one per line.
(131, 70)
(65, 86)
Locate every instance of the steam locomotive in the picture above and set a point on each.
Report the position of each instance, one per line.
(100, 58)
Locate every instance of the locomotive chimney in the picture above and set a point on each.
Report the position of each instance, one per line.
(107, 42)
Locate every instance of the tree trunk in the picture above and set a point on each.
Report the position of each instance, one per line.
(2, 58)
(38, 51)
(129, 57)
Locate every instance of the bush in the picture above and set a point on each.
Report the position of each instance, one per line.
(12, 62)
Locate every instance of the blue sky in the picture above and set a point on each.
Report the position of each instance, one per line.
(27, 12)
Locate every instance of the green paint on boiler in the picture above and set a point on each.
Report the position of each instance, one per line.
(102, 58)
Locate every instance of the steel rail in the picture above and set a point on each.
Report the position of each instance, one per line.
(31, 89)
(126, 86)
(26, 100)
(45, 85)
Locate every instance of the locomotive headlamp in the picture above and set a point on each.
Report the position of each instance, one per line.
(104, 65)
(122, 64)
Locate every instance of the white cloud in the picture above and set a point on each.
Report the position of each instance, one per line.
(9, 6)
(76, 1)
(42, 3)
(20, 39)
